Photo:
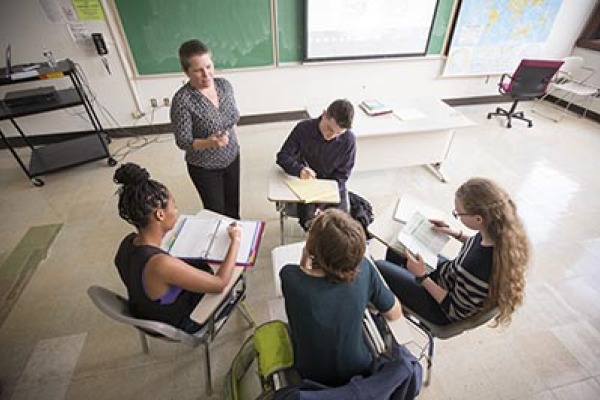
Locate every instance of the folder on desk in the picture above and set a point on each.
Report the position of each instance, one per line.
(207, 239)
(313, 190)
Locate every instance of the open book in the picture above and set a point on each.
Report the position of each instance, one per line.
(374, 107)
(207, 239)
(419, 237)
(314, 190)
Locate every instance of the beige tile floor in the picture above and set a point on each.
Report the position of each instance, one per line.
(56, 344)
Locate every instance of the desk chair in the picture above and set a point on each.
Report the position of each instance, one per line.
(117, 308)
(572, 80)
(529, 81)
(432, 330)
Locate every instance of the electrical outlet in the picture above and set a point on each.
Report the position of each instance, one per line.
(153, 102)
(137, 114)
(166, 102)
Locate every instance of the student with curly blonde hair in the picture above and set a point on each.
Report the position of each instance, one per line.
(488, 272)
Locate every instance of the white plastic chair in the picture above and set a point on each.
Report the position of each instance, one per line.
(117, 308)
(571, 83)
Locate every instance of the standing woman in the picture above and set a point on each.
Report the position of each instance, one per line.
(488, 272)
(204, 114)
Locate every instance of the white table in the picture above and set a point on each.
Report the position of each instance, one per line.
(386, 141)
(281, 194)
(291, 254)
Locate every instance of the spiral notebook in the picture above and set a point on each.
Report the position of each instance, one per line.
(207, 239)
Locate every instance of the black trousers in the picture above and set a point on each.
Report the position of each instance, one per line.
(219, 189)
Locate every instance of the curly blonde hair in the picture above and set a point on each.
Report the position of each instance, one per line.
(481, 196)
(336, 244)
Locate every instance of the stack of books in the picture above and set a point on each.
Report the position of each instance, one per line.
(374, 107)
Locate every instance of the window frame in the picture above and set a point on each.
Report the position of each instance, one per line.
(586, 39)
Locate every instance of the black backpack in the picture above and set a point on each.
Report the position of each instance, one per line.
(361, 210)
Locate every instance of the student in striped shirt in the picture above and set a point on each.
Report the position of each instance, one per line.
(489, 270)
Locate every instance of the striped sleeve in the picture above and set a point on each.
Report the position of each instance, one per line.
(466, 292)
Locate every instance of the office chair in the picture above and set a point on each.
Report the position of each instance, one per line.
(433, 331)
(529, 81)
(572, 80)
(216, 307)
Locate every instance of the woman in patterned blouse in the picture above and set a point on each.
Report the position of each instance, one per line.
(204, 115)
(488, 272)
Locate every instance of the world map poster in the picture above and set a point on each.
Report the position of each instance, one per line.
(493, 36)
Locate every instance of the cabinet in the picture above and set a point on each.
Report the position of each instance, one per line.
(56, 156)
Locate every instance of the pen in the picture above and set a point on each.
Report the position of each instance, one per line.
(171, 241)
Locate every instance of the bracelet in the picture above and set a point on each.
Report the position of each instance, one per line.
(458, 235)
(421, 278)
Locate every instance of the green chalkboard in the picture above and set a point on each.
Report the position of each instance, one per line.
(239, 32)
(290, 24)
(443, 18)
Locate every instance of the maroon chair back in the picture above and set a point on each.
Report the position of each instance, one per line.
(531, 78)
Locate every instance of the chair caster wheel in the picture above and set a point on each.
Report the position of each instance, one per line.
(37, 182)
(529, 125)
(112, 162)
(509, 125)
(489, 116)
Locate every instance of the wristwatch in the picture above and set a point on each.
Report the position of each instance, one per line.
(421, 278)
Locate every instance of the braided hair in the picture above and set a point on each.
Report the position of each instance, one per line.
(139, 195)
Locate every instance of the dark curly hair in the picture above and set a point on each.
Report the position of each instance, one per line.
(139, 195)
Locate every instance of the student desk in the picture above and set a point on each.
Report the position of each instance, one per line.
(385, 229)
(211, 301)
(283, 196)
(386, 141)
(291, 253)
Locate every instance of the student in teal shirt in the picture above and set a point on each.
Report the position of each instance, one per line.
(325, 299)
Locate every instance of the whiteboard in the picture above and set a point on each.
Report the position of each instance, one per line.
(351, 29)
(493, 36)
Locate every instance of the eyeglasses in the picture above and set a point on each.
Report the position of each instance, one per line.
(456, 214)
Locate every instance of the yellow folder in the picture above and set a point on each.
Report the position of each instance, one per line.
(314, 190)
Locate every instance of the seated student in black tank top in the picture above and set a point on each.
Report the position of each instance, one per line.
(161, 287)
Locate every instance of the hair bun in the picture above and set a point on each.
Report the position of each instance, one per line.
(131, 174)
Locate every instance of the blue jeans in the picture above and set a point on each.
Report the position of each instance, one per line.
(410, 293)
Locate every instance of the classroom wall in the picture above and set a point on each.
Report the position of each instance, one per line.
(259, 91)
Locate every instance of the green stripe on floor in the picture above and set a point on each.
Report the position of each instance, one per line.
(22, 262)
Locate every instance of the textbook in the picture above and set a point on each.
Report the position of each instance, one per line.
(374, 107)
(314, 190)
(419, 237)
(207, 239)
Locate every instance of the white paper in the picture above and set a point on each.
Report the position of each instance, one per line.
(420, 238)
(194, 237)
(409, 114)
(24, 74)
(79, 32)
(207, 238)
(408, 205)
